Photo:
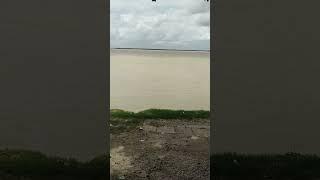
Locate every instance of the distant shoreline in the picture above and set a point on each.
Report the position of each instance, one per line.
(191, 50)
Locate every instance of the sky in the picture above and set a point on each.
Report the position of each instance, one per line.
(165, 24)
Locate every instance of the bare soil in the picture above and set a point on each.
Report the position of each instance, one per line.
(162, 149)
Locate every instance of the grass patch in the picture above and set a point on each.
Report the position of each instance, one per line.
(161, 114)
(118, 125)
(124, 120)
(291, 166)
(35, 165)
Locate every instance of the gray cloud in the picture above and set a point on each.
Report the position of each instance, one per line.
(197, 7)
(204, 20)
(165, 24)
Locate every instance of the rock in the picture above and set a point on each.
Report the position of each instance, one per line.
(158, 145)
(194, 137)
(122, 177)
(166, 130)
(142, 174)
(150, 128)
(186, 131)
(200, 132)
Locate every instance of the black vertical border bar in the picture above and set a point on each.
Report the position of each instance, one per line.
(107, 27)
(212, 81)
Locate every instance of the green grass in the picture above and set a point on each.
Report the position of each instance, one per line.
(124, 120)
(21, 163)
(160, 114)
(281, 167)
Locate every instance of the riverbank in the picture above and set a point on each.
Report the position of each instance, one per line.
(121, 121)
(160, 144)
(169, 144)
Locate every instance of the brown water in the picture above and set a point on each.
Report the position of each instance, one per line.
(143, 79)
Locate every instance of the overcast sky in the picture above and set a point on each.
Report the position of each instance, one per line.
(165, 24)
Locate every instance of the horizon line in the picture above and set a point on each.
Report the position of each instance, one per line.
(164, 49)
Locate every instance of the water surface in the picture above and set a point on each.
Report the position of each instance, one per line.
(143, 79)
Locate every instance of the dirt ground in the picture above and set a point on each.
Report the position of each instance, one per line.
(162, 149)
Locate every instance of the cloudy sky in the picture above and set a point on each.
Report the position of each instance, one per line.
(167, 24)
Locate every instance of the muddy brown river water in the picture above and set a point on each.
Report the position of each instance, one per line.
(143, 79)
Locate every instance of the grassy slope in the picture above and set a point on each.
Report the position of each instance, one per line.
(35, 165)
(21, 163)
(38, 166)
(124, 120)
(249, 167)
(160, 114)
(281, 167)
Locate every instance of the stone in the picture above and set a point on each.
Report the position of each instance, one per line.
(166, 130)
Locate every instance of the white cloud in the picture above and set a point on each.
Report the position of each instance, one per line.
(182, 24)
